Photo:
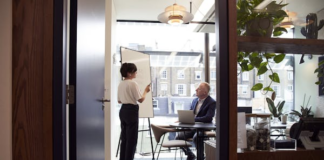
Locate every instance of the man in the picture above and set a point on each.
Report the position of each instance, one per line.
(204, 108)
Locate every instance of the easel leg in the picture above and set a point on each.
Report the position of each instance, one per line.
(118, 145)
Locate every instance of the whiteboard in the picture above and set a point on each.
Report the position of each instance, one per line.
(143, 78)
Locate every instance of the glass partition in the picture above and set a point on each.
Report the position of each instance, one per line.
(177, 67)
(304, 20)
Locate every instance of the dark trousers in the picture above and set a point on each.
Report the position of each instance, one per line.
(186, 135)
(128, 116)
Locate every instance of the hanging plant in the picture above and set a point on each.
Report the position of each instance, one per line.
(260, 61)
(320, 74)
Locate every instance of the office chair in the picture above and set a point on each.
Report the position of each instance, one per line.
(160, 132)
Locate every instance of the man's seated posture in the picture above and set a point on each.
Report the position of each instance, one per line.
(204, 108)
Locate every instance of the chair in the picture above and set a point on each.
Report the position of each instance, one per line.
(160, 132)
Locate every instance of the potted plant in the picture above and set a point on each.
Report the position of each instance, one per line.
(246, 17)
(276, 110)
(305, 111)
(254, 21)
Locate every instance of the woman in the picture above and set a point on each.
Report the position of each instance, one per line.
(128, 95)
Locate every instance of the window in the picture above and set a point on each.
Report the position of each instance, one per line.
(178, 106)
(261, 77)
(242, 89)
(164, 74)
(164, 87)
(181, 89)
(276, 89)
(212, 89)
(290, 75)
(181, 74)
(155, 104)
(213, 75)
(197, 75)
(290, 88)
(245, 76)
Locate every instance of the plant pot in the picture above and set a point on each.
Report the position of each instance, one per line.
(259, 27)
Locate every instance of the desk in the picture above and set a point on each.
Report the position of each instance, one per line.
(200, 128)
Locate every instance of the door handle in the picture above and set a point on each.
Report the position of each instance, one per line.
(103, 100)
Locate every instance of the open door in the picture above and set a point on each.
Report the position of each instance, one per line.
(86, 74)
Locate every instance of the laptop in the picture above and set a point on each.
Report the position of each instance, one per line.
(186, 116)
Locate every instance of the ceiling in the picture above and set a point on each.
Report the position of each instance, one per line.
(149, 9)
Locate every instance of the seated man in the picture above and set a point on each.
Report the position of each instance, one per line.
(204, 108)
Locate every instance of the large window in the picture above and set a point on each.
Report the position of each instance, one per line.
(164, 74)
(290, 75)
(181, 74)
(261, 77)
(197, 75)
(276, 88)
(213, 75)
(245, 76)
(180, 89)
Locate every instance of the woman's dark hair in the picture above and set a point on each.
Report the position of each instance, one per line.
(127, 68)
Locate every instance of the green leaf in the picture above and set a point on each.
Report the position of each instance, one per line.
(318, 82)
(278, 58)
(263, 64)
(268, 89)
(255, 54)
(250, 67)
(316, 70)
(321, 63)
(277, 20)
(257, 87)
(278, 31)
(255, 61)
(271, 106)
(274, 77)
(269, 55)
(295, 113)
(262, 70)
(281, 106)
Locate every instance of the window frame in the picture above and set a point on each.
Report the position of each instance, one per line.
(164, 73)
(184, 89)
(181, 74)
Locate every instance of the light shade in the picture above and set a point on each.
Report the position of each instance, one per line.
(175, 14)
(287, 21)
(287, 24)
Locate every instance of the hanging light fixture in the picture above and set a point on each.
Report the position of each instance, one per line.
(287, 21)
(175, 14)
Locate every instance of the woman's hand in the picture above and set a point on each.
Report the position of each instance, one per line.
(148, 88)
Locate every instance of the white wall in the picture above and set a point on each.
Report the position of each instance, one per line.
(305, 78)
(110, 83)
(5, 79)
(320, 101)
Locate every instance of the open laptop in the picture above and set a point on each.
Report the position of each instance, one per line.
(186, 116)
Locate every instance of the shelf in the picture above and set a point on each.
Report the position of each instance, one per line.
(280, 45)
(284, 155)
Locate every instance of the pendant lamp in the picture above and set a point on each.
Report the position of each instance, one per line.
(175, 14)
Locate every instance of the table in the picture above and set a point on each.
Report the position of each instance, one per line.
(200, 128)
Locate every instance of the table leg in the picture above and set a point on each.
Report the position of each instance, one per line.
(200, 144)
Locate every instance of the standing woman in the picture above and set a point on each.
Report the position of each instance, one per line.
(128, 95)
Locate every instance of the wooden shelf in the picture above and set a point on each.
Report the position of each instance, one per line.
(282, 155)
(280, 45)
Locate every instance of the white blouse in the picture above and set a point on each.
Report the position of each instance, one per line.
(128, 92)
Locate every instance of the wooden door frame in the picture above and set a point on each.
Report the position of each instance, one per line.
(38, 88)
